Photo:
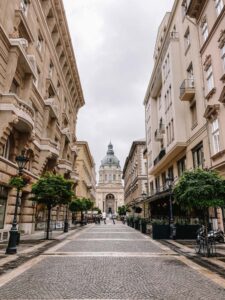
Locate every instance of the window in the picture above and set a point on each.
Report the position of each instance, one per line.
(205, 31)
(160, 101)
(184, 8)
(24, 6)
(6, 149)
(209, 78)
(36, 80)
(172, 130)
(105, 177)
(187, 41)
(193, 114)
(51, 67)
(114, 177)
(157, 184)
(198, 156)
(181, 166)
(39, 43)
(190, 75)
(14, 87)
(223, 56)
(215, 136)
(170, 173)
(3, 201)
(151, 187)
(219, 6)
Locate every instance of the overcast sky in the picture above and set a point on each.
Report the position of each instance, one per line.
(113, 42)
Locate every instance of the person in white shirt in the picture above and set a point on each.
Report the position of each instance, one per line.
(104, 217)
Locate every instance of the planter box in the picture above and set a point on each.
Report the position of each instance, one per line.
(160, 231)
(137, 225)
(143, 227)
(186, 232)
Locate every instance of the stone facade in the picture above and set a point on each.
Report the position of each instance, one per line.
(135, 176)
(184, 100)
(110, 191)
(210, 20)
(40, 95)
(85, 167)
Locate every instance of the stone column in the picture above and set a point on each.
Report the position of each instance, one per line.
(11, 68)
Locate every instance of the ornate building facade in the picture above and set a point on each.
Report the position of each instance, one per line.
(110, 191)
(40, 95)
(85, 167)
(135, 176)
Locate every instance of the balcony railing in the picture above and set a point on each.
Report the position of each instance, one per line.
(162, 153)
(187, 90)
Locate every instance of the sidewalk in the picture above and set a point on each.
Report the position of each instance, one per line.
(31, 246)
(186, 248)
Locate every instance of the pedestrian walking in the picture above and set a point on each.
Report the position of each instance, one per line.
(104, 217)
(113, 219)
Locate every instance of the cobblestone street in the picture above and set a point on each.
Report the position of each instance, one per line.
(109, 262)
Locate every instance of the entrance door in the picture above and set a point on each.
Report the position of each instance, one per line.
(110, 204)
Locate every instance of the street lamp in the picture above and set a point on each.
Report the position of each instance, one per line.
(169, 181)
(21, 161)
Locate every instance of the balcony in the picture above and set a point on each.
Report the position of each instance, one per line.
(194, 8)
(66, 132)
(187, 90)
(54, 108)
(47, 144)
(162, 153)
(65, 164)
(22, 112)
(25, 60)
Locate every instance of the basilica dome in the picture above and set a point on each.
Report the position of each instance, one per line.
(110, 159)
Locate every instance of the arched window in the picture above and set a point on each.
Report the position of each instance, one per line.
(6, 149)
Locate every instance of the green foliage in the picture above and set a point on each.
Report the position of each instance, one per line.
(52, 190)
(17, 182)
(200, 189)
(81, 204)
(97, 209)
(122, 210)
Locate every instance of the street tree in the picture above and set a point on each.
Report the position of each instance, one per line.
(81, 205)
(52, 190)
(200, 189)
(122, 210)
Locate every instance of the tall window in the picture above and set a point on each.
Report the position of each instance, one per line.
(6, 149)
(40, 42)
(219, 6)
(205, 30)
(215, 136)
(14, 87)
(50, 70)
(209, 78)
(190, 76)
(172, 130)
(193, 114)
(223, 56)
(24, 6)
(3, 201)
(187, 41)
(181, 166)
(198, 156)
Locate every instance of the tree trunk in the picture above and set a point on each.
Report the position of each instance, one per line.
(206, 230)
(48, 222)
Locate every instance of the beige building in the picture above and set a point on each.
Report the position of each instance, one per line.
(40, 95)
(110, 191)
(135, 176)
(176, 130)
(85, 167)
(210, 20)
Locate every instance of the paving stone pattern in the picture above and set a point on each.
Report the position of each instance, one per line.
(106, 277)
(111, 278)
(112, 235)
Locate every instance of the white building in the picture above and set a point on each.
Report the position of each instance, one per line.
(110, 191)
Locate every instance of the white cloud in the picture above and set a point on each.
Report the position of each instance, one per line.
(114, 43)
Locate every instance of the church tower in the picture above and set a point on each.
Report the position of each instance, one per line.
(110, 191)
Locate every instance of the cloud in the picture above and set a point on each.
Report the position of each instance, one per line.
(113, 42)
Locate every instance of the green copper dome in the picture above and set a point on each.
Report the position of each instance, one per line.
(110, 159)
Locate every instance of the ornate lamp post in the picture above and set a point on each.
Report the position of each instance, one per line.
(169, 181)
(11, 249)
